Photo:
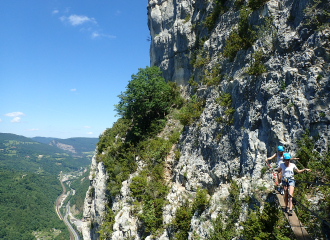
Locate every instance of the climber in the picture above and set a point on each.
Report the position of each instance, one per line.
(288, 180)
(279, 158)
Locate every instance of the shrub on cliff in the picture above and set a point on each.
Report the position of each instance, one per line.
(147, 99)
(192, 111)
(241, 38)
(218, 9)
(183, 215)
(255, 4)
(257, 67)
(268, 224)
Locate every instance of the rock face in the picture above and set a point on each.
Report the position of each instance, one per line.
(63, 146)
(271, 109)
(95, 201)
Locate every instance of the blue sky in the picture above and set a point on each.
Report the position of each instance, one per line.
(63, 63)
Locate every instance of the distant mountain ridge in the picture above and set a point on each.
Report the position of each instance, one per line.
(25, 154)
(78, 147)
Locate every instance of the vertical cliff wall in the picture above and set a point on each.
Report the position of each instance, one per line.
(95, 201)
(276, 106)
(273, 107)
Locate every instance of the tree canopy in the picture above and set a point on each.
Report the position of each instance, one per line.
(147, 99)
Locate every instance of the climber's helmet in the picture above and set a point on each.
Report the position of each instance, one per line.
(286, 156)
(280, 149)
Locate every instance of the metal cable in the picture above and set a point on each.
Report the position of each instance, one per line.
(317, 216)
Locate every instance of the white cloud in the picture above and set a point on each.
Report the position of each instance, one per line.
(0, 120)
(89, 133)
(16, 120)
(33, 129)
(76, 20)
(73, 90)
(96, 34)
(63, 18)
(14, 114)
(55, 11)
(86, 127)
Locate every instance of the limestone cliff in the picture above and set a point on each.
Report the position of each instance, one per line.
(95, 201)
(272, 108)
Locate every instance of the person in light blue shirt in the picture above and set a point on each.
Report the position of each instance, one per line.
(287, 169)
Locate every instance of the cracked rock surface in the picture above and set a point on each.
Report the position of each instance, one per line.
(271, 109)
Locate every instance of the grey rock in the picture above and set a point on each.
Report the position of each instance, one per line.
(274, 108)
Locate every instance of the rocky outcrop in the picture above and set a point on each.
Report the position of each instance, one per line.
(271, 109)
(95, 201)
(65, 147)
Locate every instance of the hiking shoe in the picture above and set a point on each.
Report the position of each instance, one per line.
(286, 209)
(290, 212)
(282, 191)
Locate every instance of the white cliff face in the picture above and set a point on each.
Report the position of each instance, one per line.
(126, 224)
(266, 113)
(274, 108)
(95, 201)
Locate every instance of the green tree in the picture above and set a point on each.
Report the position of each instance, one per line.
(146, 100)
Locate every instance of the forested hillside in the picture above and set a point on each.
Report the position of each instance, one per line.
(27, 205)
(29, 187)
(21, 153)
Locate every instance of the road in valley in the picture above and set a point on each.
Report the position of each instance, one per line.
(73, 234)
(76, 236)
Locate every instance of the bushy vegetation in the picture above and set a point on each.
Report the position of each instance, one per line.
(318, 14)
(184, 214)
(143, 109)
(267, 33)
(256, 65)
(241, 38)
(213, 77)
(192, 110)
(218, 9)
(229, 231)
(201, 59)
(150, 189)
(186, 19)
(239, 3)
(107, 224)
(146, 101)
(266, 224)
(320, 166)
(119, 161)
(27, 204)
(283, 85)
(255, 4)
(225, 101)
